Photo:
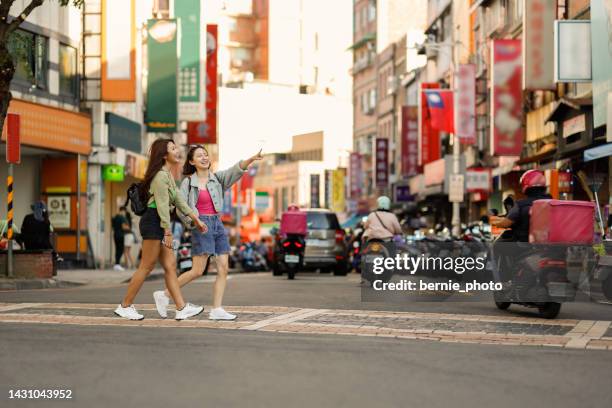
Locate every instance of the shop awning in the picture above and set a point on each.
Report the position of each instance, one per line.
(363, 41)
(598, 152)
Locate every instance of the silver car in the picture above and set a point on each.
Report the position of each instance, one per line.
(325, 242)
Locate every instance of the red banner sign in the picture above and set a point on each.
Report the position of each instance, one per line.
(429, 138)
(206, 132)
(410, 141)
(465, 121)
(506, 98)
(381, 169)
(356, 175)
(198, 133)
(13, 143)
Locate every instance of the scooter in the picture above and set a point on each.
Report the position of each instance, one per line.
(184, 261)
(539, 279)
(291, 253)
(250, 259)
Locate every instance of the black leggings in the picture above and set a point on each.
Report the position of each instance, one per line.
(119, 246)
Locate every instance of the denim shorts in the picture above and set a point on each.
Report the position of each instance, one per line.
(150, 225)
(214, 242)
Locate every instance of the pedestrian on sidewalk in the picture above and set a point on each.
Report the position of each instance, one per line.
(120, 228)
(159, 191)
(204, 192)
(36, 230)
(129, 239)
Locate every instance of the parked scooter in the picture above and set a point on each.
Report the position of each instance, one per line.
(184, 260)
(250, 259)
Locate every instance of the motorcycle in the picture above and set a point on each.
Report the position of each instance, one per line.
(290, 255)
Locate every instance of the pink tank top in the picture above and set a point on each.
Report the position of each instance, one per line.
(205, 205)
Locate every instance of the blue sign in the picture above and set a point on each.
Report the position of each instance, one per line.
(402, 194)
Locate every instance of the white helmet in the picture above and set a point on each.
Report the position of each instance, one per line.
(384, 203)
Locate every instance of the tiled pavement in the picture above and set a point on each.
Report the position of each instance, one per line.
(455, 328)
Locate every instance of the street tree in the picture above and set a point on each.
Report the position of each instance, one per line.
(13, 47)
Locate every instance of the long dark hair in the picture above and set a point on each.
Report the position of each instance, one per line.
(157, 159)
(188, 168)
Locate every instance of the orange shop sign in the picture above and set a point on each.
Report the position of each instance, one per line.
(52, 128)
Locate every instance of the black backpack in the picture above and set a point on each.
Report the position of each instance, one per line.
(135, 198)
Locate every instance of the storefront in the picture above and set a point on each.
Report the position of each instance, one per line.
(54, 169)
(112, 169)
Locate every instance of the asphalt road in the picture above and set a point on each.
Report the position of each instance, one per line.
(141, 367)
(309, 290)
(108, 366)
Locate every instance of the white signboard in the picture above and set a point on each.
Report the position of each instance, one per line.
(478, 180)
(573, 51)
(59, 211)
(456, 188)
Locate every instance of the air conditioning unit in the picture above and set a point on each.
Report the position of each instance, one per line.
(370, 110)
(431, 52)
(392, 85)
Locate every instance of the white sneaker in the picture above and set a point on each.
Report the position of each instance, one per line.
(188, 311)
(118, 267)
(161, 303)
(128, 312)
(220, 314)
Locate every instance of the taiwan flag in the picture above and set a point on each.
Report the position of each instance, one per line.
(440, 108)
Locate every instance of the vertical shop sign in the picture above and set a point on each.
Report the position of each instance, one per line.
(538, 44)
(315, 190)
(211, 81)
(601, 43)
(188, 14)
(328, 188)
(381, 162)
(410, 141)
(356, 175)
(118, 49)
(338, 193)
(506, 98)
(162, 96)
(465, 121)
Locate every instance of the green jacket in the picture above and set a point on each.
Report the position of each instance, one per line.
(165, 197)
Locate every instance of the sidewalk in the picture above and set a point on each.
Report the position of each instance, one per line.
(442, 327)
(80, 277)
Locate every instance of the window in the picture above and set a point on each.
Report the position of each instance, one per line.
(30, 54)
(232, 24)
(371, 10)
(372, 98)
(68, 82)
(322, 221)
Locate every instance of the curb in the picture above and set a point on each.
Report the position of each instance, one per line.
(30, 284)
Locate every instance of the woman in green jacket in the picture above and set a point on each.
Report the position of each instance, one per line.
(160, 192)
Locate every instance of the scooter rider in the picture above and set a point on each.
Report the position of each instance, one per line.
(533, 185)
(382, 224)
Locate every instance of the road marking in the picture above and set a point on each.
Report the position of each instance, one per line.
(585, 332)
(285, 318)
(18, 306)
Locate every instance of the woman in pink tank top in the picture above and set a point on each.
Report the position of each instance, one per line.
(203, 189)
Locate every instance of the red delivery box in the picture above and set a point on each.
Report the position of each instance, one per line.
(562, 221)
(293, 221)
